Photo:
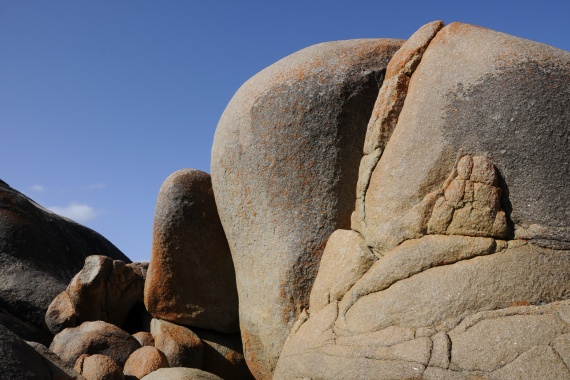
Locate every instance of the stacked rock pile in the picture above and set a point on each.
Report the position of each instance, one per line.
(378, 209)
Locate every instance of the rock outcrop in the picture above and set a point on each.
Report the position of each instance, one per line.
(20, 361)
(191, 277)
(39, 253)
(463, 200)
(104, 290)
(284, 169)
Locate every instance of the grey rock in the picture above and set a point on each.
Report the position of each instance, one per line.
(59, 370)
(20, 361)
(284, 169)
(22, 329)
(39, 254)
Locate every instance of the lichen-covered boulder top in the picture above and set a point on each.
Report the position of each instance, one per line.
(39, 254)
(284, 169)
(461, 234)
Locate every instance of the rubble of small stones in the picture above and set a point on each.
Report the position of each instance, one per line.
(378, 209)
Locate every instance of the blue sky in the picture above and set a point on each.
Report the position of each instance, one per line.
(101, 100)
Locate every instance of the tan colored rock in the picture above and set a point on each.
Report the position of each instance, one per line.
(180, 345)
(466, 207)
(144, 338)
(181, 374)
(449, 291)
(413, 257)
(144, 361)
(387, 109)
(105, 290)
(491, 343)
(457, 106)
(345, 259)
(284, 169)
(191, 277)
(61, 313)
(540, 362)
(94, 338)
(98, 367)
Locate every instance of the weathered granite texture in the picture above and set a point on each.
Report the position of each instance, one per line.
(191, 278)
(284, 169)
(467, 210)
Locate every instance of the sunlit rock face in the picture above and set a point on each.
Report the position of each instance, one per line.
(463, 199)
(284, 170)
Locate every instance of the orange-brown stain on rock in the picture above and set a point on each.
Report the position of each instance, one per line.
(250, 346)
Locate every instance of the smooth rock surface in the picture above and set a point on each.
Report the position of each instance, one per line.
(98, 367)
(466, 206)
(181, 346)
(345, 260)
(144, 338)
(181, 374)
(94, 338)
(39, 254)
(284, 170)
(144, 361)
(191, 277)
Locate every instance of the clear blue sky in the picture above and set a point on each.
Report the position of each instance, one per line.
(101, 100)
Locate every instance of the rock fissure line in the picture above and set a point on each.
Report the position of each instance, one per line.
(388, 106)
(370, 283)
(551, 345)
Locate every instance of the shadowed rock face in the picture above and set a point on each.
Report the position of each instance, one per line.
(104, 290)
(284, 168)
(466, 208)
(39, 254)
(19, 360)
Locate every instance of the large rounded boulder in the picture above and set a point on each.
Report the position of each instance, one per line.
(191, 278)
(284, 171)
(464, 200)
